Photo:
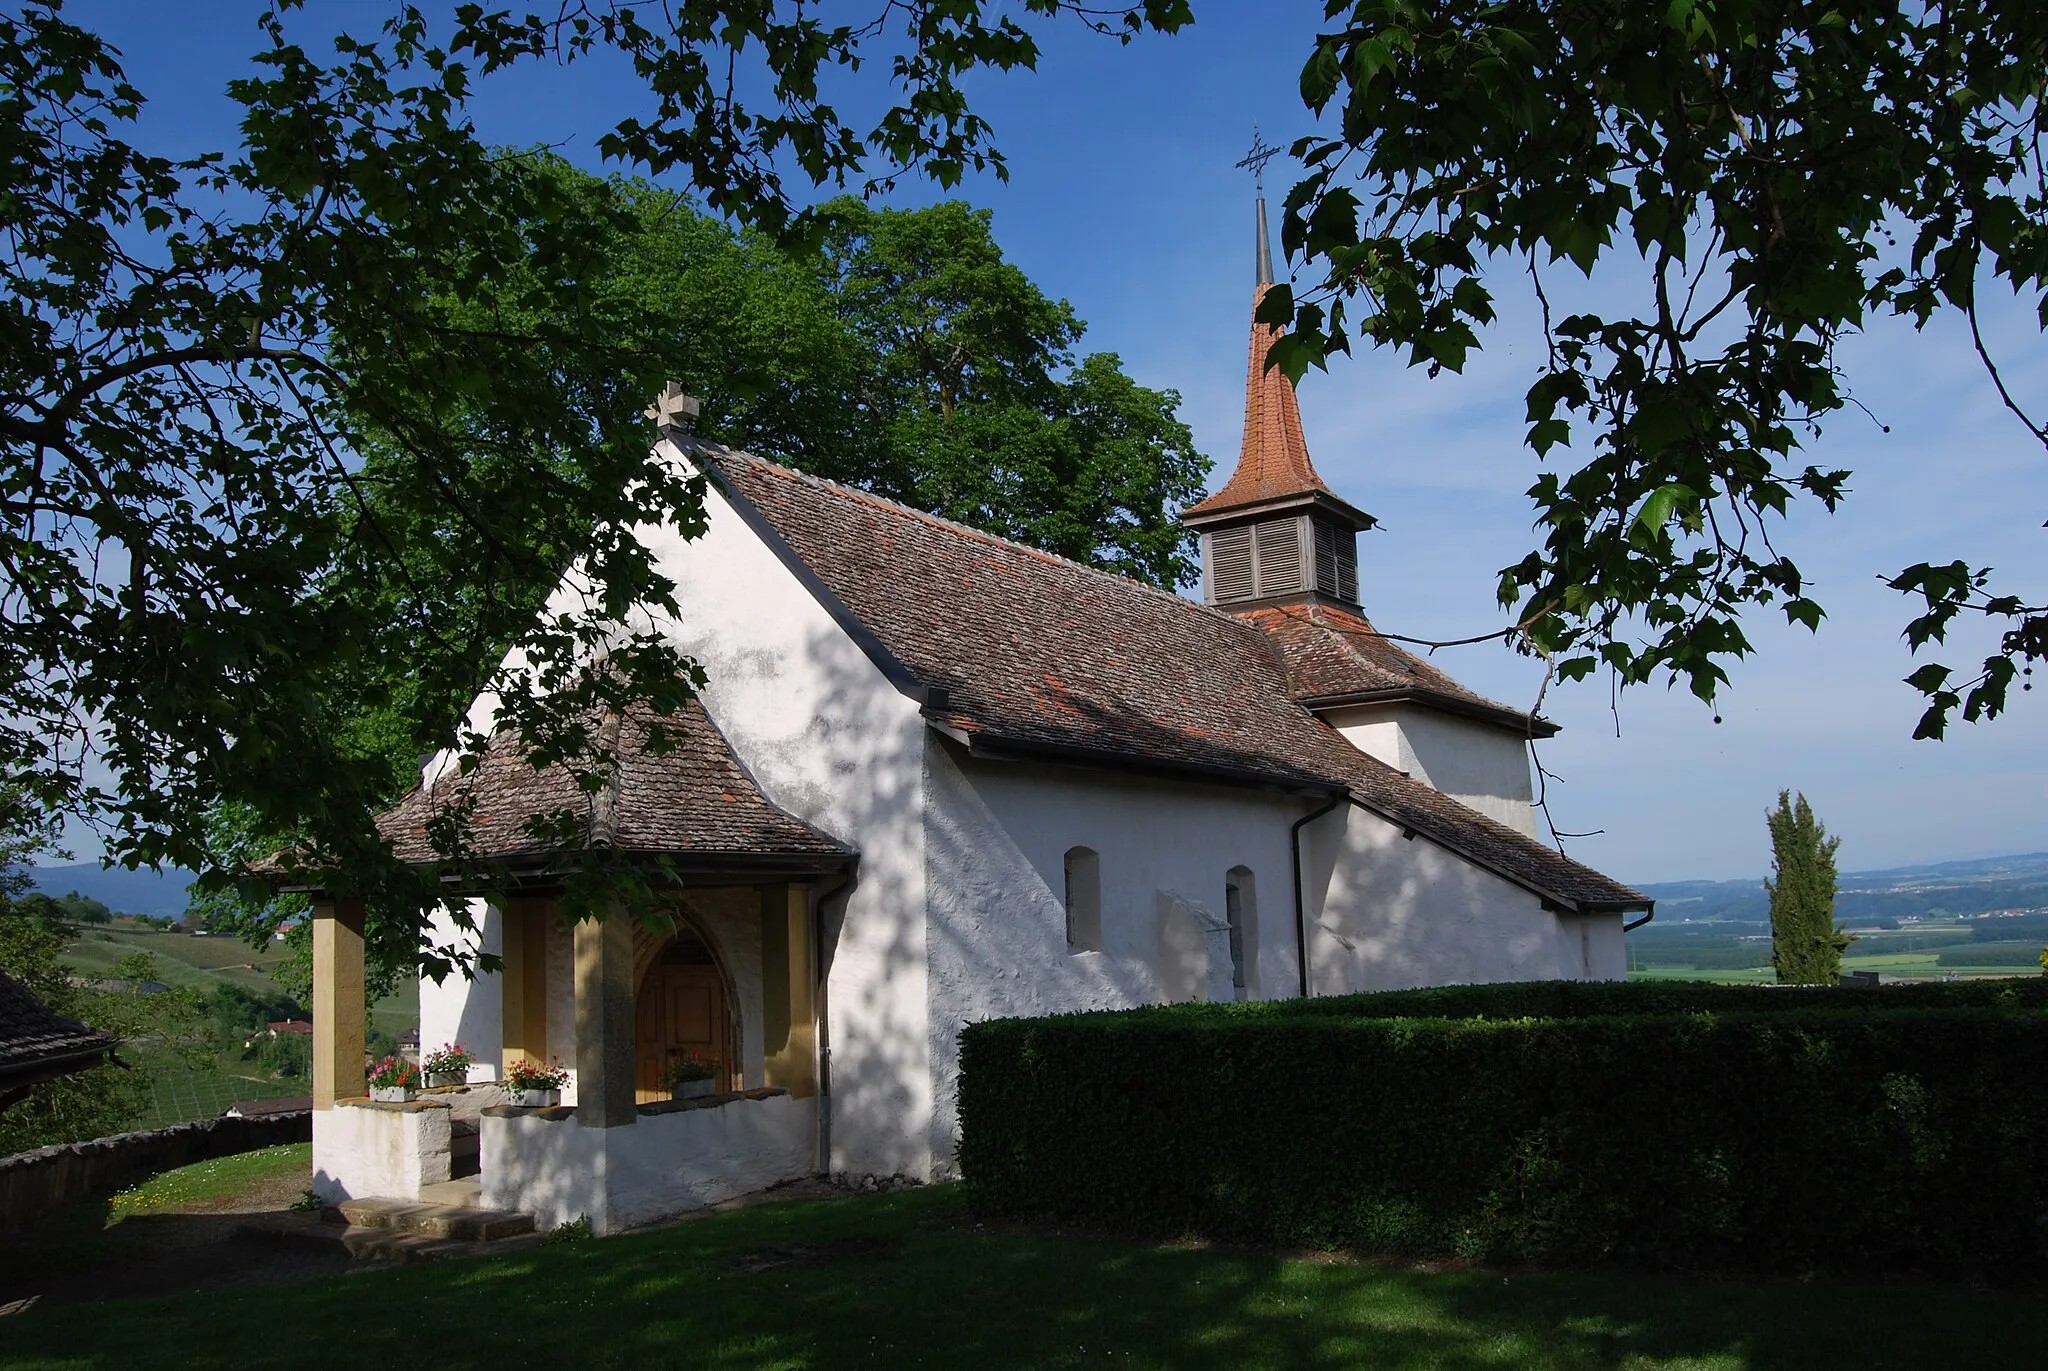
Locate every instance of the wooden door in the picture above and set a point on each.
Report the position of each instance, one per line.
(681, 1010)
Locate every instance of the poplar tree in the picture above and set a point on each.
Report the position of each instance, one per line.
(1806, 943)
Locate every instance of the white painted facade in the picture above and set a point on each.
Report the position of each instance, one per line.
(663, 1165)
(959, 911)
(371, 1151)
(1478, 764)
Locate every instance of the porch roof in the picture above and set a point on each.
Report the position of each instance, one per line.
(694, 804)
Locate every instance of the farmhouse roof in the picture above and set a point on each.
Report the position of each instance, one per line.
(693, 801)
(39, 1044)
(1016, 652)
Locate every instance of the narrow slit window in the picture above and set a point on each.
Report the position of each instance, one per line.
(1241, 911)
(1084, 900)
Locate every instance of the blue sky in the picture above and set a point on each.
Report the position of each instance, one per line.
(1123, 199)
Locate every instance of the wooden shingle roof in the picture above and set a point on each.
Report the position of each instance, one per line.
(1014, 650)
(693, 801)
(1335, 656)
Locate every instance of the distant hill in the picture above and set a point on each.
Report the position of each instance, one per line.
(1943, 889)
(124, 892)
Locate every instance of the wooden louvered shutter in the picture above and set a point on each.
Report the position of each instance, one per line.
(1336, 562)
(1230, 564)
(1347, 567)
(1278, 544)
(1326, 559)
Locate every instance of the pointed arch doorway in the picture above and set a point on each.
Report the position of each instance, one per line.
(684, 1007)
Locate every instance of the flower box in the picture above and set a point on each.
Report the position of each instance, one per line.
(448, 1065)
(692, 1090)
(394, 1081)
(532, 1085)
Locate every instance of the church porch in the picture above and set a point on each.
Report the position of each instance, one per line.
(728, 974)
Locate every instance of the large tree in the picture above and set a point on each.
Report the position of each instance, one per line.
(902, 354)
(1770, 174)
(254, 438)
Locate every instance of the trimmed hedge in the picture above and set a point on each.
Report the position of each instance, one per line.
(1718, 1137)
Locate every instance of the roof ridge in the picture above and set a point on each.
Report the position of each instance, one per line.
(710, 448)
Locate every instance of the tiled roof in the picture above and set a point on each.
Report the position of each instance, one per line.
(1274, 460)
(696, 799)
(1333, 654)
(1014, 648)
(33, 1036)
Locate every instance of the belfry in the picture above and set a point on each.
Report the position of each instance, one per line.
(1275, 534)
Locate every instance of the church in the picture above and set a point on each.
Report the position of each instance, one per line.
(935, 777)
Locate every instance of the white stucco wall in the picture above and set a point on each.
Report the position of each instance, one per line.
(656, 1167)
(997, 835)
(1474, 763)
(1389, 913)
(1591, 947)
(827, 737)
(458, 1009)
(361, 1152)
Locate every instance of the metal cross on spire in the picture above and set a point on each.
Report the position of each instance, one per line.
(1257, 158)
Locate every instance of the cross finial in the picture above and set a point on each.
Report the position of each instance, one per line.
(672, 408)
(1257, 158)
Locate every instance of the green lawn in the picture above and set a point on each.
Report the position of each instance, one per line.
(202, 1182)
(909, 1280)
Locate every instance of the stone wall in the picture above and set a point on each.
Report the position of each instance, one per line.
(34, 1183)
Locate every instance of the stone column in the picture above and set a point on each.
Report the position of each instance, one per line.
(604, 1022)
(790, 1031)
(524, 984)
(337, 1000)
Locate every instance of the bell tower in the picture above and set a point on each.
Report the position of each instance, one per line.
(1275, 534)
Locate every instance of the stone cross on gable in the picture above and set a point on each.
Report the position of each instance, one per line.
(672, 408)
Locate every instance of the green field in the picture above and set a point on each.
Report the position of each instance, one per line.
(913, 1280)
(1926, 950)
(200, 963)
(180, 1091)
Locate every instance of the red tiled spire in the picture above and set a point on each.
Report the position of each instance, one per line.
(1274, 460)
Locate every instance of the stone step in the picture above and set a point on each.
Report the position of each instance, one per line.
(436, 1220)
(374, 1244)
(464, 1192)
(394, 1245)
